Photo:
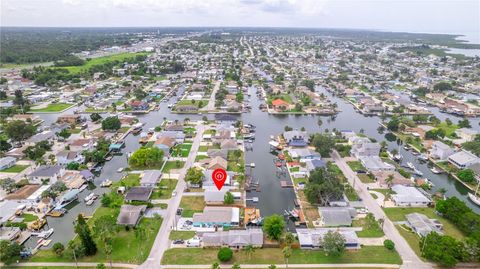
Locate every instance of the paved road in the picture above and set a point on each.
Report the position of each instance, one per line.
(162, 242)
(211, 102)
(410, 259)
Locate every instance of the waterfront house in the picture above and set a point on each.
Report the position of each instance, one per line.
(214, 196)
(228, 144)
(313, 238)
(9, 233)
(466, 134)
(312, 164)
(165, 143)
(139, 105)
(141, 194)
(65, 157)
(440, 151)
(7, 162)
(208, 181)
(382, 176)
(217, 216)
(280, 105)
(463, 159)
(87, 175)
(422, 225)
(179, 136)
(406, 196)
(175, 127)
(82, 144)
(130, 215)
(296, 138)
(234, 238)
(303, 153)
(150, 178)
(375, 163)
(365, 149)
(217, 163)
(336, 216)
(46, 173)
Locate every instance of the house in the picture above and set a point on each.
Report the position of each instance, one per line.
(228, 144)
(150, 178)
(175, 127)
(375, 163)
(208, 181)
(313, 238)
(139, 105)
(138, 194)
(280, 105)
(49, 173)
(296, 138)
(463, 159)
(9, 233)
(440, 151)
(165, 143)
(7, 162)
(179, 136)
(217, 216)
(87, 175)
(43, 136)
(65, 157)
(234, 238)
(365, 149)
(303, 153)
(422, 225)
(312, 164)
(82, 144)
(186, 108)
(466, 134)
(217, 163)
(409, 197)
(70, 119)
(130, 214)
(398, 179)
(336, 216)
(213, 195)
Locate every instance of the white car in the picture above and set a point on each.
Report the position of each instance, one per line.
(174, 193)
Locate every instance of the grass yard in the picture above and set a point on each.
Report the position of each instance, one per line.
(181, 150)
(201, 157)
(373, 231)
(15, 169)
(54, 107)
(411, 237)
(120, 57)
(356, 165)
(398, 214)
(191, 204)
(127, 247)
(203, 148)
(236, 161)
(172, 165)
(130, 180)
(28, 217)
(165, 189)
(367, 254)
(185, 235)
(365, 178)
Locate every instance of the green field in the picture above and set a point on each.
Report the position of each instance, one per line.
(356, 165)
(165, 189)
(15, 169)
(54, 107)
(191, 204)
(101, 60)
(185, 235)
(367, 254)
(172, 165)
(181, 150)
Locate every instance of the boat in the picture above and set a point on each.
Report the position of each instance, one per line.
(90, 202)
(106, 183)
(473, 196)
(410, 165)
(417, 172)
(57, 212)
(44, 234)
(89, 197)
(435, 170)
(397, 157)
(119, 170)
(423, 157)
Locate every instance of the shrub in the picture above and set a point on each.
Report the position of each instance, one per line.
(389, 244)
(58, 248)
(225, 254)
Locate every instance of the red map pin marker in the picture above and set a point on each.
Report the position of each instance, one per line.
(219, 176)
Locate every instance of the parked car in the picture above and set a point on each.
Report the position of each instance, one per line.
(178, 241)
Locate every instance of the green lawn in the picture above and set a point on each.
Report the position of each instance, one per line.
(181, 150)
(120, 57)
(203, 148)
(356, 165)
(127, 247)
(449, 129)
(172, 165)
(165, 189)
(367, 254)
(411, 237)
(192, 204)
(374, 231)
(28, 217)
(365, 178)
(201, 157)
(236, 161)
(398, 214)
(185, 235)
(15, 169)
(130, 180)
(54, 107)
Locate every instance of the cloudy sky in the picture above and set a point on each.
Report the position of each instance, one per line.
(434, 16)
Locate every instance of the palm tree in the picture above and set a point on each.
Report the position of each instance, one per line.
(389, 180)
(249, 249)
(287, 252)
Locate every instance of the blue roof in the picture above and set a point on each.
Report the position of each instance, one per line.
(297, 143)
(115, 146)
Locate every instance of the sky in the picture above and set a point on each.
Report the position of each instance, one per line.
(427, 16)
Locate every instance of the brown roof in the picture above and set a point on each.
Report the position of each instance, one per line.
(218, 161)
(165, 140)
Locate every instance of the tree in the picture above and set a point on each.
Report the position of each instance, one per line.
(287, 128)
(274, 226)
(19, 100)
(58, 248)
(322, 187)
(249, 249)
(225, 254)
(9, 251)
(466, 175)
(111, 124)
(3, 95)
(442, 249)
(393, 124)
(333, 243)
(323, 143)
(442, 86)
(104, 228)
(18, 130)
(83, 231)
(194, 176)
(465, 123)
(228, 199)
(389, 180)
(287, 252)
(146, 157)
(95, 117)
(7, 184)
(389, 244)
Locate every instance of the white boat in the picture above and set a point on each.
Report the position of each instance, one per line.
(410, 165)
(435, 170)
(397, 157)
(44, 234)
(417, 172)
(106, 183)
(90, 202)
(473, 196)
(89, 197)
(423, 157)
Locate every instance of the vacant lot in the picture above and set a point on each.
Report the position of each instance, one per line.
(191, 205)
(56, 107)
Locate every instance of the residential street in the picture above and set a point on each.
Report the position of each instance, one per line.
(162, 242)
(410, 259)
(211, 102)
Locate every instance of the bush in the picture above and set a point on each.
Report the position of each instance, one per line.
(389, 244)
(225, 254)
(58, 248)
